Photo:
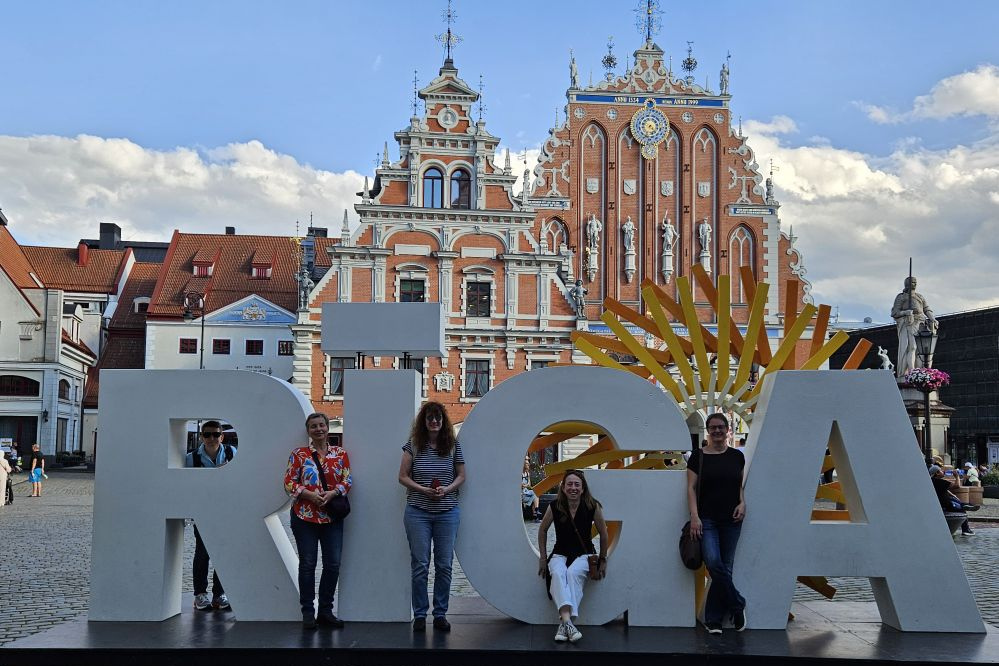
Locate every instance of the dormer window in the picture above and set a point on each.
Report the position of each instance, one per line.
(261, 265)
(140, 304)
(204, 263)
(203, 270)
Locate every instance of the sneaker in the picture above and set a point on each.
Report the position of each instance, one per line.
(308, 620)
(419, 624)
(574, 633)
(441, 623)
(221, 603)
(202, 602)
(561, 635)
(968, 532)
(714, 627)
(329, 619)
(739, 619)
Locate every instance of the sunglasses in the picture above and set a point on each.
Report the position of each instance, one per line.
(211, 435)
(435, 419)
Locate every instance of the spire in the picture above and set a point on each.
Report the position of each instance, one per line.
(482, 105)
(506, 164)
(385, 157)
(689, 63)
(527, 181)
(648, 20)
(365, 196)
(448, 38)
(345, 230)
(416, 92)
(609, 61)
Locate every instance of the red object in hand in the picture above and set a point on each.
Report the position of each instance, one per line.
(435, 484)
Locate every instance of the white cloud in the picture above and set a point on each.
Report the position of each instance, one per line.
(974, 93)
(56, 190)
(377, 64)
(859, 218)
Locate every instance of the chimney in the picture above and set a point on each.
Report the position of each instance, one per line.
(318, 232)
(83, 252)
(230, 231)
(110, 236)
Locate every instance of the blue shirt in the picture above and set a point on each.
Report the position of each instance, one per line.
(205, 460)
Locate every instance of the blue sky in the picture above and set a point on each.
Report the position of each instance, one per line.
(197, 115)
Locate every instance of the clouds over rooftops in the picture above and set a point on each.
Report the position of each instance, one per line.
(974, 93)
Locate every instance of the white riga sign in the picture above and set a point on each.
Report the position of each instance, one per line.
(143, 492)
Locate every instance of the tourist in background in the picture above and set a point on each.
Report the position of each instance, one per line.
(716, 513)
(528, 498)
(574, 513)
(5, 487)
(432, 469)
(971, 475)
(317, 474)
(37, 470)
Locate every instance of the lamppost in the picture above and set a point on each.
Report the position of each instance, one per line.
(926, 343)
(195, 300)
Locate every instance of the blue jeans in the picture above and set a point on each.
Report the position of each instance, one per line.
(422, 528)
(718, 549)
(308, 537)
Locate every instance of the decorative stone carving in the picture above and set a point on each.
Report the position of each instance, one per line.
(630, 185)
(886, 363)
(593, 229)
(669, 242)
(444, 382)
(592, 185)
(704, 188)
(628, 230)
(704, 234)
(912, 314)
(666, 188)
(578, 295)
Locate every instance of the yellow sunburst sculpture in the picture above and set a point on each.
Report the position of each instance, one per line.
(684, 367)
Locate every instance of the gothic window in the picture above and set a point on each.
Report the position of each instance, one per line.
(476, 377)
(740, 253)
(412, 291)
(17, 385)
(433, 188)
(555, 233)
(63, 389)
(336, 373)
(461, 189)
(478, 294)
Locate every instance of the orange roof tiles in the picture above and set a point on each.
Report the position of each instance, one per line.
(58, 268)
(14, 262)
(232, 277)
(77, 344)
(141, 282)
(122, 351)
(322, 256)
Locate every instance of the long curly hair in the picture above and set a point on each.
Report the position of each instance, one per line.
(585, 499)
(419, 435)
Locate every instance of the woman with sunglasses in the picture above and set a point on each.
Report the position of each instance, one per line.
(316, 474)
(432, 470)
(574, 513)
(716, 512)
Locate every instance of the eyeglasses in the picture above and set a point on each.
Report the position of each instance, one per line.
(211, 435)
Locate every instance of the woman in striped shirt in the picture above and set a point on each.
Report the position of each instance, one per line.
(432, 469)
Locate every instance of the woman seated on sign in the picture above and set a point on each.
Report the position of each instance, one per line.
(717, 508)
(573, 559)
(318, 479)
(432, 470)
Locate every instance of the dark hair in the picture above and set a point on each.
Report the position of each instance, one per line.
(210, 424)
(419, 435)
(314, 415)
(716, 415)
(586, 499)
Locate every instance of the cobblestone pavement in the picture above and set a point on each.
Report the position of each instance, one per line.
(45, 559)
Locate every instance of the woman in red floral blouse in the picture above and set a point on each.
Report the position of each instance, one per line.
(311, 524)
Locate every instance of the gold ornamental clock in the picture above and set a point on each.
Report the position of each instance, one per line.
(649, 127)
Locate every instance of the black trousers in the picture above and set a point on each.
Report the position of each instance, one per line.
(200, 573)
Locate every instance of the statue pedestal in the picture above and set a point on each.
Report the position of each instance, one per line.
(915, 404)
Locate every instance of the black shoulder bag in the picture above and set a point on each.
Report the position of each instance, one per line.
(690, 548)
(339, 506)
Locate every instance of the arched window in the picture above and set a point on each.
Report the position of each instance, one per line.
(17, 385)
(433, 188)
(554, 234)
(740, 253)
(63, 389)
(461, 189)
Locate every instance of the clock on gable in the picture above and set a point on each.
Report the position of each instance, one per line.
(649, 127)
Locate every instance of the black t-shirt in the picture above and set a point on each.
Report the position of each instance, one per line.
(37, 455)
(721, 482)
(942, 488)
(572, 537)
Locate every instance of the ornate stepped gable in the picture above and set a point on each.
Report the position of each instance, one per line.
(647, 177)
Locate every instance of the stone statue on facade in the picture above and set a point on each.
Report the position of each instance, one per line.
(628, 229)
(578, 295)
(573, 71)
(670, 237)
(723, 78)
(305, 285)
(886, 363)
(912, 314)
(593, 229)
(704, 233)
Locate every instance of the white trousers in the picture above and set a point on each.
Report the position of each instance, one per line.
(567, 582)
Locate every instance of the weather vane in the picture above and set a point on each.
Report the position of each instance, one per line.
(648, 18)
(609, 61)
(449, 39)
(482, 106)
(416, 92)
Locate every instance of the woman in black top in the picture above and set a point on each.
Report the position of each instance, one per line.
(574, 513)
(716, 519)
(37, 470)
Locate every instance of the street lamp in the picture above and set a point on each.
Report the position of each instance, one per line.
(926, 343)
(195, 300)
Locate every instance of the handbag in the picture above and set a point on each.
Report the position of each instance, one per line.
(592, 560)
(690, 548)
(339, 506)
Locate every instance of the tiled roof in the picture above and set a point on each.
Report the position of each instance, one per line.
(58, 268)
(122, 351)
(231, 279)
(322, 256)
(14, 262)
(141, 282)
(77, 344)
